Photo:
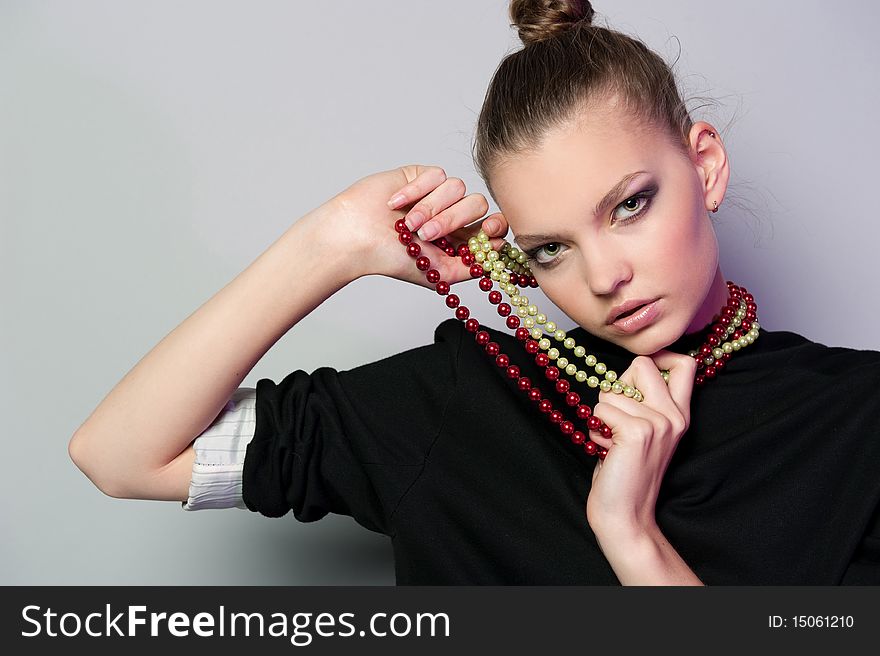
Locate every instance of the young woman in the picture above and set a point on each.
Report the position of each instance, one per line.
(725, 453)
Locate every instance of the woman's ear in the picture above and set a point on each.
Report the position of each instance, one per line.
(710, 160)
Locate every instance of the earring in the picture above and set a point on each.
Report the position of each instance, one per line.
(714, 206)
(712, 134)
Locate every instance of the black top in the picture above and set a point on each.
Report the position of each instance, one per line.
(775, 482)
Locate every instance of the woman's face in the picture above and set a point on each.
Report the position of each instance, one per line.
(652, 239)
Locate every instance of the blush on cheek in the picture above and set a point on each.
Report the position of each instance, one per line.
(678, 243)
(686, 256)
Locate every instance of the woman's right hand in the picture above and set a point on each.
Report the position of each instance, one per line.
(367, 219)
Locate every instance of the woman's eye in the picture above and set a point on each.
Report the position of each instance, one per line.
(634, 206)
(552, 249)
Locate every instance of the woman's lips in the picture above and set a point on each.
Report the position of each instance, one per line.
(634, 310)
(638, 318)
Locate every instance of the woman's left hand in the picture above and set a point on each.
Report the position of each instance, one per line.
(644, 435)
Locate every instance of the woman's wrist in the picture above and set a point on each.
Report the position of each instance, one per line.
(641, 555)
(325, 229)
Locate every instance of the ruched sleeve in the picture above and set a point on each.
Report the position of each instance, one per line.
(350, 442)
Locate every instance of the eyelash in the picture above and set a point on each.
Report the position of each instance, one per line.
(532, 252)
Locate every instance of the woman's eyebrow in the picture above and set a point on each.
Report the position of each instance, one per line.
(615, 191)
(524, 241)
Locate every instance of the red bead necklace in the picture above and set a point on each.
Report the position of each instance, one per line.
(737, 319)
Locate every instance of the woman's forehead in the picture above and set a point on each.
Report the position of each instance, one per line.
(573, 176)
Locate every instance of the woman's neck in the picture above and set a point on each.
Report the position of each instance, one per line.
(715, 300)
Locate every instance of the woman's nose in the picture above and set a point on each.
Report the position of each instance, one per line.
(605, 270)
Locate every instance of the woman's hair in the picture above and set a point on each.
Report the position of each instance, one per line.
(567, 65)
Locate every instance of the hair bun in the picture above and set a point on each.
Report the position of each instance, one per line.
(537, 20)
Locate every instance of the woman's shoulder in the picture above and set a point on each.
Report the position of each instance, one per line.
(799, 344)
(454, 330)
(797, 352)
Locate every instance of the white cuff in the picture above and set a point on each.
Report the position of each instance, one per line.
(220, 451)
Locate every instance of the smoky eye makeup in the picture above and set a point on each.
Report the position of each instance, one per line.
(643, 200)
(532, 259)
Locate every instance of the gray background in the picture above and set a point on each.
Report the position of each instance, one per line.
(149, 152)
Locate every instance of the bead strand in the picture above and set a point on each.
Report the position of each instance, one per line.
(737, 320)
(524, 384)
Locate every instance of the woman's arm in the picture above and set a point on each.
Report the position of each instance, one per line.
(137, 442)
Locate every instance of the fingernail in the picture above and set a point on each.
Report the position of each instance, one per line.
(396, 200)
(429, 231)
(414, 219)
(492, 225)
